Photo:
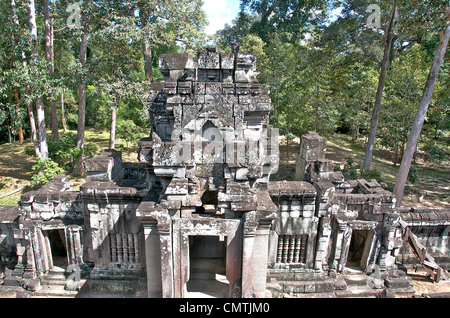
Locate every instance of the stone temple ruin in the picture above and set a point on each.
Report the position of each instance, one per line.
(205, 209)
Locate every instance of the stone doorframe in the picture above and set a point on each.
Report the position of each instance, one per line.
(183, 228)
(42, 248)
(167, 248)
(342, 239)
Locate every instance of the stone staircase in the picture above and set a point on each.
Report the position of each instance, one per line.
(352, 283)
(55, 284)
(435, 272)
(359, 285)
(311, 285)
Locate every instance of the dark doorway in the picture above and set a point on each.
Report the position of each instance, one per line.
(57, 246)
(356, 249)
(207, 276)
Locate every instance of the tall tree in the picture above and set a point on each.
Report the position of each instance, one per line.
(48, 30)
(422, 110)
(296, 17)
(163, 22)
(24, 64)
(31, 10)
(82, 85)
(388, 37)
(16, 23)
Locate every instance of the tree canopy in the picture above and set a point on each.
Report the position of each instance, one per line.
(329, 65)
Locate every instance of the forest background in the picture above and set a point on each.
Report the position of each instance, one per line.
(75, 78)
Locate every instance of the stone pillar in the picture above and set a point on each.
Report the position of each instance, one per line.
(73, 244)
(260, 255)
(312, 149)
(152, 258)
(322, 242)
(339, 228)
(156, 221)
(165, 240)
(346, 238)
(234, 261)
(247, 258)
(255, 256)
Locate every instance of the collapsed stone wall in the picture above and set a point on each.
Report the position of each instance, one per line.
(432, 228)
(8, 224)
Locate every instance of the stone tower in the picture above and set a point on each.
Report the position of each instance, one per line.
(213, 152)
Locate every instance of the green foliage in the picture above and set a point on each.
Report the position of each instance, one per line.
(350, 169)
(65, 152)
(403, 91)
(128, 131)
(413, 175)
(288, 17)
(43, 171)
(371, 174)
(436, 152)
(29, 151)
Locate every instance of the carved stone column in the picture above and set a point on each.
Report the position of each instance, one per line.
(322, 242)
(256, 249)
(260, 258)
(249, 232)
(152, 257)
(73, 243)
(157, 227)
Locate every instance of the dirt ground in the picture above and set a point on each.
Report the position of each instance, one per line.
(423, 285)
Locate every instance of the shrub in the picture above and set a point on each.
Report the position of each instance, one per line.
(351, 169)
(372, 174)
(44, 171)
(128, 131)
(66, 153)
(435, 152)
(413, 175)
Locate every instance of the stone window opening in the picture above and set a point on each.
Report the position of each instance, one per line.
(124, 248)
(210, 132)
(209, 200)
(292, 249)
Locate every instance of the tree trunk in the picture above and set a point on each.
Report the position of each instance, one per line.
(81, 115)
(16, 95)
(421, 114)
(48, 31)
(316, 111)
(17, 101)
(41, 127)
(34, 139)
(63, 112)
(148, 58)
(389, 35)
(112, 133)
(16, 90)
(39, 103)
(31, 11)
(82, 88)
(82, 96)
(147, 49)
